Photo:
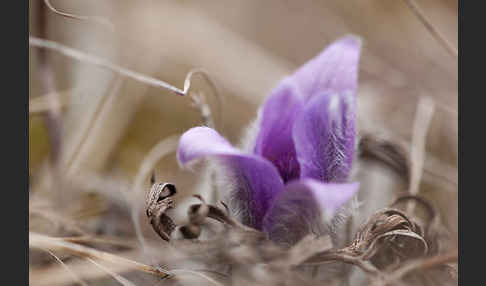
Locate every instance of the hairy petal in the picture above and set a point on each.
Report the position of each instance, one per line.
(305, 207)
(334, 70)
(324, 137)
(257, 181)
(274, 140)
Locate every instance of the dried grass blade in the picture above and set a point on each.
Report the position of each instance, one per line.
(423, 117)
(68, 270)
(45, 242)
(431, 28)
(95, 19)
(85, 57)
(123, 281)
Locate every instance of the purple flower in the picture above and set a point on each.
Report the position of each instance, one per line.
(294, 176)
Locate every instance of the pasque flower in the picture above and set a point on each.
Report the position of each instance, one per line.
(295, 175)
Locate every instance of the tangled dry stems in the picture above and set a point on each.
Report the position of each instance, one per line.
(389, 246)
(392, 247)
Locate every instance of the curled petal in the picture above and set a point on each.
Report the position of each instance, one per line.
(257, 181)
(305, 207)
(274, 140)
(334, 70)
(324, 137)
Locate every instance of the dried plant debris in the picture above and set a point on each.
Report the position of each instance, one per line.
(392, 248)
(389, 153)
(158, 202)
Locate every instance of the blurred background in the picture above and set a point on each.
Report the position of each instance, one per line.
(96, 136)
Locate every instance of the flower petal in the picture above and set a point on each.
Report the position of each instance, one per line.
(324, 137)
(334, 70)
(274, 140)
(304, 207)
(257, 180)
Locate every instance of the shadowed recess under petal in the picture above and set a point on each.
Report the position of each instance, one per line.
(274, 140)
(257, 180)
(305, 207)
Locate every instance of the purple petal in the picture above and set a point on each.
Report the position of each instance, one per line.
(257, 180)
(324, 136)
(274, 140)
(304, 207)
(334, 70)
